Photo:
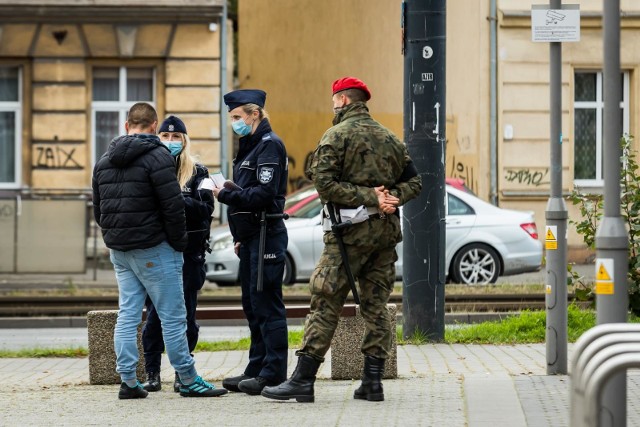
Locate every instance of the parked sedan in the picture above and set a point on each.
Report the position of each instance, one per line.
(483, 242)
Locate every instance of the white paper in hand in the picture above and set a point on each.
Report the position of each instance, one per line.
(206, 184)
(218, 179)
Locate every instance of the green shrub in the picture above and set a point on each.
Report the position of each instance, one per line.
(591, 208)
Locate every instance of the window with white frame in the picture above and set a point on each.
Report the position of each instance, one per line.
(115, 90)
(588, 126)
(10, 129)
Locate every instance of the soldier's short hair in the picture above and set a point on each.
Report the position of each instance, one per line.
(355, 95)
(141, 115)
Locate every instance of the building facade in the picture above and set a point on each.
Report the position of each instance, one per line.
(294, 50)
(69, 71)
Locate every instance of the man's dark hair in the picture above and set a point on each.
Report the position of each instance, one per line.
(355, 95)
(141, 115)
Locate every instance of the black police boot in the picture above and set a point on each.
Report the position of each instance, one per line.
(371, 387)
(153, 382)
(300, 385)
(177, 383)
(231, 383)
(254, 386)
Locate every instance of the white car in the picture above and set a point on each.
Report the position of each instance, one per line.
(483, 242)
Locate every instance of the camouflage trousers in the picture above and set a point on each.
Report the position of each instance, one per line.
(374, 270)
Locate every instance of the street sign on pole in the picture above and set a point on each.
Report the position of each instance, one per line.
(555, 24)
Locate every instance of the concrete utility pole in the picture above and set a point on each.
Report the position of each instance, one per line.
(612, 241)
(556, 228)
(424, 42)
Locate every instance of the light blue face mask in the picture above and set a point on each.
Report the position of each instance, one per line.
(241, 128)
(174, 147)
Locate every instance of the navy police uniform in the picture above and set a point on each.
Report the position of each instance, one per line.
(260, 169)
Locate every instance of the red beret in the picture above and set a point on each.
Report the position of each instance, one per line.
(350, 83)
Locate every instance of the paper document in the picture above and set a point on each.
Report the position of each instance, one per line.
(206, 184)
(219, 181)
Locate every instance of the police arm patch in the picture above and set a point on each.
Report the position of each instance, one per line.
(266, 175)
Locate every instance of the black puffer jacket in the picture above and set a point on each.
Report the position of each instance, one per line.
(136, 197)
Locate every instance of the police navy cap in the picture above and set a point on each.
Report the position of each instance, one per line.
(173, 124)
(245, 96)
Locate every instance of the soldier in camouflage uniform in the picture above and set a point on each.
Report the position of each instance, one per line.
(357, 162)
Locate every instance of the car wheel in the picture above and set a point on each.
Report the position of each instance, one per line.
(288, 278)
(476, 264)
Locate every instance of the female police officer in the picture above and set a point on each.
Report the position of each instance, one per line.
(198, 209)
(260, 171)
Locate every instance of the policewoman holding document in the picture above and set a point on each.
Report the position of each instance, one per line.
(198, 203)
(260, 172)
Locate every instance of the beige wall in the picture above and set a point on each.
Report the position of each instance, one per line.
(56, 76)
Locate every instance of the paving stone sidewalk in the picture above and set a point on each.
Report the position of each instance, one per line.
(438, 385)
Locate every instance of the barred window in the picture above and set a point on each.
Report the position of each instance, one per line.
(588, 126)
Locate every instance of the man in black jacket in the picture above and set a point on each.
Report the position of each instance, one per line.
(138, 203)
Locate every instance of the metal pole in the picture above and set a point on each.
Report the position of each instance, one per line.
(224, 139)
(424, 42)
(612, 241)
(556, 229)
(493, 103)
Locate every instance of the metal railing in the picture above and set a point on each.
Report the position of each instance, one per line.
(598, 355)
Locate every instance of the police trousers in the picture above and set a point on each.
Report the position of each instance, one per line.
(374, 270)
(265, 310)
(193, 277)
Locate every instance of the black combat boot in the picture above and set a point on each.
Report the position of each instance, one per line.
(300, 385)
(371, 387)
(153, 382)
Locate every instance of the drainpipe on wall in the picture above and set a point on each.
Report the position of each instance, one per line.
(493, 107)
(224, 139)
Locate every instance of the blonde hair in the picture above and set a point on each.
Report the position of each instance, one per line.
(250, 108)
(187, 162)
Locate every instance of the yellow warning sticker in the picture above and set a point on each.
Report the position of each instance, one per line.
(551, 244)
(548, 289)
(602, 274)
(551, 232)
(604, 288)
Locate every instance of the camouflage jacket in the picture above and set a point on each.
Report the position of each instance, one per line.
(356, 155)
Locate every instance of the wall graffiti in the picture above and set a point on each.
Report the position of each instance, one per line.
(460, 169)
(6, 211)
(531, 177)
(56, 157)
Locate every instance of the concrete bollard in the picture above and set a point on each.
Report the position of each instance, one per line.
(102, 356)
(347, 361)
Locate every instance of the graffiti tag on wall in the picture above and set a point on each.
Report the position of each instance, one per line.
(461, 169)
(527, 176)
(56, 157)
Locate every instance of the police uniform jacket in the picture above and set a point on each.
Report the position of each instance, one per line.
(261, 170)
(198, 209)
(136, 197)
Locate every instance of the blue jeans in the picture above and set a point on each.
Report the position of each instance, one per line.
(156, 272)
(193, 277)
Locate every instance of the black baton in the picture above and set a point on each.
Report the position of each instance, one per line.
(264, 216)
(336, 229)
